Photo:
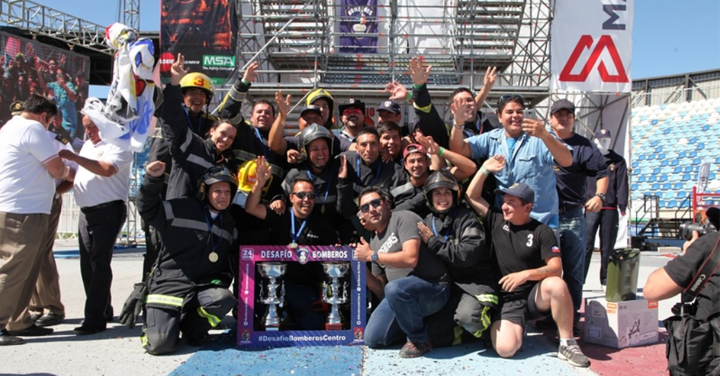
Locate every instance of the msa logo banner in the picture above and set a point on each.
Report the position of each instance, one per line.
(605, 43)
(218, 61)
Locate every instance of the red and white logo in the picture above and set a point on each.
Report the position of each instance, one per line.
(166, 61)
(604, 43)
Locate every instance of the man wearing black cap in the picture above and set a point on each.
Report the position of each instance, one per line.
(616, 197)
(530, 263)
(352, 115)
(389, 110)
(573, 203)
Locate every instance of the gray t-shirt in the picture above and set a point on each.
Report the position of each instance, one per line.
(401, 228)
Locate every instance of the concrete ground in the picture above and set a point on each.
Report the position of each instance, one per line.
(117, 351)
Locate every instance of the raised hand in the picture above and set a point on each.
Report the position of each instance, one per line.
(283, 106)
(418, 72)
(428, 143)
(178, 71)
(263, 171)
(495, 163)
(155, 169)
(363, 252)
(342, 170)
(425, 232)
(489, 79)
(250, 73)
(397, 91)
(534, 128)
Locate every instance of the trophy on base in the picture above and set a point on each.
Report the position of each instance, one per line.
(335, 270)
(272, 271)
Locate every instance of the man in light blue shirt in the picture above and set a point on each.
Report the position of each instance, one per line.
(528, 148)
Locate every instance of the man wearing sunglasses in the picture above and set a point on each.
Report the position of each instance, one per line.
(296, 227)
(352, 115)
(416, 283)
(529, 150)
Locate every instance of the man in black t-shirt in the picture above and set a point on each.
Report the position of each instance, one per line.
(296, 226)
(529, 261)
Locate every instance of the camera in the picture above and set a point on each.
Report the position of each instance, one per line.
(687, 228)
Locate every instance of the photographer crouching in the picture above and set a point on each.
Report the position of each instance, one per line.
(693, 346)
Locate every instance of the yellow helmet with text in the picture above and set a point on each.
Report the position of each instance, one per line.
(199, 81)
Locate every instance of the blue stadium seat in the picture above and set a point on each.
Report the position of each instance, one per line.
(717, 160)
(680, 194)
(667, 186)
(642, 157)
(705, 127)
(700, 146)
(656, 170)
(674, 162)
(655, 186)
(658, 149)
(655, 121)
(664, 163)
(666, 131)
(668, 194)
(697, 161)
(692, 154)
(711, 176)
(652, 179)
(654, 143)
(686, 177)
(688, 169)
(692, 140)
(672, 204)
(635, 164)
(663, 178)
(634, 187)
(677, 169)
(682, 154)
(642, 179)
(678, 186)
(660, 156)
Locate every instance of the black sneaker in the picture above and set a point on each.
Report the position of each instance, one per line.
(572, 353)
(31, 331)
(411, 350)
(83, 330)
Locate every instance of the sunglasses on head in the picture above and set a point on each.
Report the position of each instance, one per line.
(302, 195)
(351, 111)
(510, 97)
(374, 203)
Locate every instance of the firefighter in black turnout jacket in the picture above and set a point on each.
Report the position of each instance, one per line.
(188, 287)
(454, 234)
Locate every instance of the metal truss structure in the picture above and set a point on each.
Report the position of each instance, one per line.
(299, 46)
(42, 20)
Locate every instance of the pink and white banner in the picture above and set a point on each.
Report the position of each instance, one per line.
(591, 46)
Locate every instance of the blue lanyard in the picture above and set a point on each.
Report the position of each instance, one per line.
(447, 232)
(213, 246)
(327, 187)
(190, 124)
(262, 142)
(377, 173)
(292, 222)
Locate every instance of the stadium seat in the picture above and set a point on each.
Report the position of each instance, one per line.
(666, 131)
(675, 162)
(697, 161)
(692, 140)
(678, 186)
(700, 146)
(678, 170)
(686, 177)
(664, 163)
(655, 186)
(655, 121)
(634, 186)
(705, 127)
(667, 186)
(658, 149)
(642, 179)
(682, 154)
(663, 178)
(656, 170)
(635, 164)
(692, 154)
(672, 204)
(680, 195)
(654, 143)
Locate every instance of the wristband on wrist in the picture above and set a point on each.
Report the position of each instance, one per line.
(418, 86)
(409, 96)
(442, 150)
(246, 82)
(484, 171)
(461, 126)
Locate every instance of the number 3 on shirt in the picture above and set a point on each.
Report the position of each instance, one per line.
(530, 240)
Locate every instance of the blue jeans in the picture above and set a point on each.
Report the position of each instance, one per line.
(573, 236)
(407, 301)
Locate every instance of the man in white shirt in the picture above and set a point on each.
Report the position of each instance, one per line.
(101, 187)
(28, 164)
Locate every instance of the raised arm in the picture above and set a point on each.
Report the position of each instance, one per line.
(253, 205)
(474, 190)
(231, 105)
(558, 149)
(488, 83)
(276, 138)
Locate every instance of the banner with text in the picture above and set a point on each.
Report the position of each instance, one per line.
(204, 32)
(359, 26)
(591, 46)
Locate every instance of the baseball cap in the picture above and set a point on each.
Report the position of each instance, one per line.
(309, 108)
(603, 133)
(390, 106)
(414, 148)
(562, 104)
(520, 190)
(352, 103)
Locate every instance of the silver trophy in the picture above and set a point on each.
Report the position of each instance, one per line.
(272, 271)
(335, 270)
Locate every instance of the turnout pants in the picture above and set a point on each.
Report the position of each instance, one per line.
(607, 220)
(161, 331)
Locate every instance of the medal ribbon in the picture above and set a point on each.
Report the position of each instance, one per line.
(213, 246)
(292, 222)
